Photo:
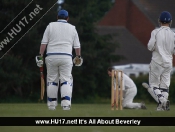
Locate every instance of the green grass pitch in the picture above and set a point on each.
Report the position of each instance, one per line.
(82, 110)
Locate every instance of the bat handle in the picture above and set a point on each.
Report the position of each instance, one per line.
(41, 69)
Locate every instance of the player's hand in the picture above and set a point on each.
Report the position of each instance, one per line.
(78, 61)
(39, 61)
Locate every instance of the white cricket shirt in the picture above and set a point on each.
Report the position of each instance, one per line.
(127, 82)
(60, 38)
(162, 45)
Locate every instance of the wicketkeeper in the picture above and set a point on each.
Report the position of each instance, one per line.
(60, 38)
(162, 46)
(129, 91)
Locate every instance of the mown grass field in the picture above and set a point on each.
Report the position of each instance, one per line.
(82, 110)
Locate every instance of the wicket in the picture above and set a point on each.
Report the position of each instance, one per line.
(119, 82)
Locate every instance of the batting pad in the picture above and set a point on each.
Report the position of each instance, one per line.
(165, 94)
(52, 90)
(150, 90)
(66, 94)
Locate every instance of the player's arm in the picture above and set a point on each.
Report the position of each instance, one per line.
(174, 45)
(152, 41)
(45, 40)
(78, 60)
(174, 50)
(76, 44)
(42, 49)
(78, 51)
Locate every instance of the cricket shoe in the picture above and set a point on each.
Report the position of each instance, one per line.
(166, 105)
(52, 105)
(159, 107)
(145, 85)
(143, 106)
(66, 107)
(52, 108)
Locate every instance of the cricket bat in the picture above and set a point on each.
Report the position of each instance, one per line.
(42, 79)
(42, 83)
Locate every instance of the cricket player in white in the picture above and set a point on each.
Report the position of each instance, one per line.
(60, 38)
(129, 91)
(162, 45)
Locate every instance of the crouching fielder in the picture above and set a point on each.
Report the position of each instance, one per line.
(129, 91)
(60, 37)
(162, 45)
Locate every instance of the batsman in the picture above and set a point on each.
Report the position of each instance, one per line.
(60, 38)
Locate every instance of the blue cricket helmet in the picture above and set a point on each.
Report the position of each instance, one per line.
(63, 13)
(165, 17)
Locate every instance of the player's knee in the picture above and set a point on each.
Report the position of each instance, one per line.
(50, 84)
(52, 89)
(68, 79)
(66, 89)
(165, 92)
(67, 84)
(124, 105)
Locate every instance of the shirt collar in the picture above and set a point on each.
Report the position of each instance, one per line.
(62, 20)
(165, 27)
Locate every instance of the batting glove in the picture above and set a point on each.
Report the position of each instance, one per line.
(39, 61)
(78, 61)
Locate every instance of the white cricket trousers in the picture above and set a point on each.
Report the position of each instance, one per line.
(159, 76)
(59, 71)
(129, 97)
(159, 81)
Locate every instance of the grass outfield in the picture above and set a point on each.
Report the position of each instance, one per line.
(82, 110)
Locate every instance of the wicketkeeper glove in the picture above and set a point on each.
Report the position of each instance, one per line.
(39, 61)
(78, 61)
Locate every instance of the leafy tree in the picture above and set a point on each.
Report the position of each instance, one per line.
(90, 80)
(19, 73)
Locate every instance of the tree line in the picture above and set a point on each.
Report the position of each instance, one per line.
(20, 76)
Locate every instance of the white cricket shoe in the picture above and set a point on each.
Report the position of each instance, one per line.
(166, 105)
(143, 106)
(52, 105)
(145, 85)
(159, 107)
(66, 107)
(52, 108)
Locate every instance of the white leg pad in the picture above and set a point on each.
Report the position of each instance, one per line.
(150, 90)
(52, 94)
(159, 95)
(52, 91)
(165, 94)
(66, 94)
